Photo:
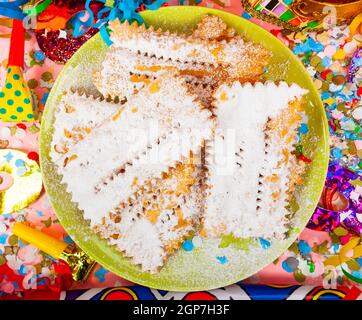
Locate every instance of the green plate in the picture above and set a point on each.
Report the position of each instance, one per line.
(198, 269)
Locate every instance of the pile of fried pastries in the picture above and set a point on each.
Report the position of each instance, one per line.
(185, 137)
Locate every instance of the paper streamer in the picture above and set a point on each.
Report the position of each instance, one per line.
(11, 9)
(351, 250)
(118, 9)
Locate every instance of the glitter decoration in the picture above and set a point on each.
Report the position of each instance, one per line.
(326, 218)
(61, 48)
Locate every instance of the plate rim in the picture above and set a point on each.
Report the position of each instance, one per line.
(101, 260)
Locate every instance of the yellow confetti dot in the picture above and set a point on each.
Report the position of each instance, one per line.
(318, 84)
(339, 55)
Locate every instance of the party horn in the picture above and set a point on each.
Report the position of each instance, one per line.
(15, 98)
(80, 263)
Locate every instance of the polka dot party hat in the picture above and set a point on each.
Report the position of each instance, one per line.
(15, 98)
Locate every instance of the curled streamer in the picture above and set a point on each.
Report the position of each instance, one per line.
(118, 9)
(327, 216)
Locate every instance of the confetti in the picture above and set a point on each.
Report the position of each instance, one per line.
(187, 246)
(222, 259)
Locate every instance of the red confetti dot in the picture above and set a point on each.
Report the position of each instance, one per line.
(275, 32)
(325, 73)
(359, 92)
(304, 158)
(33, 156)
(21, 126)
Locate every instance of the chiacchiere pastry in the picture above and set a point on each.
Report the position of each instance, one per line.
(196, 143)
(162, 212)
(76, 116)
(204, 59)
(251, 168)
(141, 140)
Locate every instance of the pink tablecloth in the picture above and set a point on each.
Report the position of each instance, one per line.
(23, 267)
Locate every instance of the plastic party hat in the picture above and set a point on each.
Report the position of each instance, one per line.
(15, 98)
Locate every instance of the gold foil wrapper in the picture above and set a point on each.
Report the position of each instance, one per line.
(26, 184)
(79, 262)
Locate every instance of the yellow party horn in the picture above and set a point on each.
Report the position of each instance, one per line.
(15, 98)
(80, 264)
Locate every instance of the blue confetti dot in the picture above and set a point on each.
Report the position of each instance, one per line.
(68, 240)
(44, 98)
(265, 244)
(359, 261)
(356, 274)
(19, 163)
(8, 156)
(22, 270)
(222, 259)
(3, 238)
(39, 55)
(286, 267)
(303, 129)
(326, 61)
(187, 245)
(101, 274)
(304, 247)
(337, 153)
(20, 244)
(325, 95)
(246, 15)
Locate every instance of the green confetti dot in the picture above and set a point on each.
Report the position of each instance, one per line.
(16, 77)
(30, 116)
(13, 240)
(298, 275)
(10, 102)
(287, 16)
(2, 111)
(14, 117)
(340, 232)
(46, 76)
(9, 70)
(2, 94)
(313, 24)
(19, 109)
(26, 100)
(18, 93)
(8, 86)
